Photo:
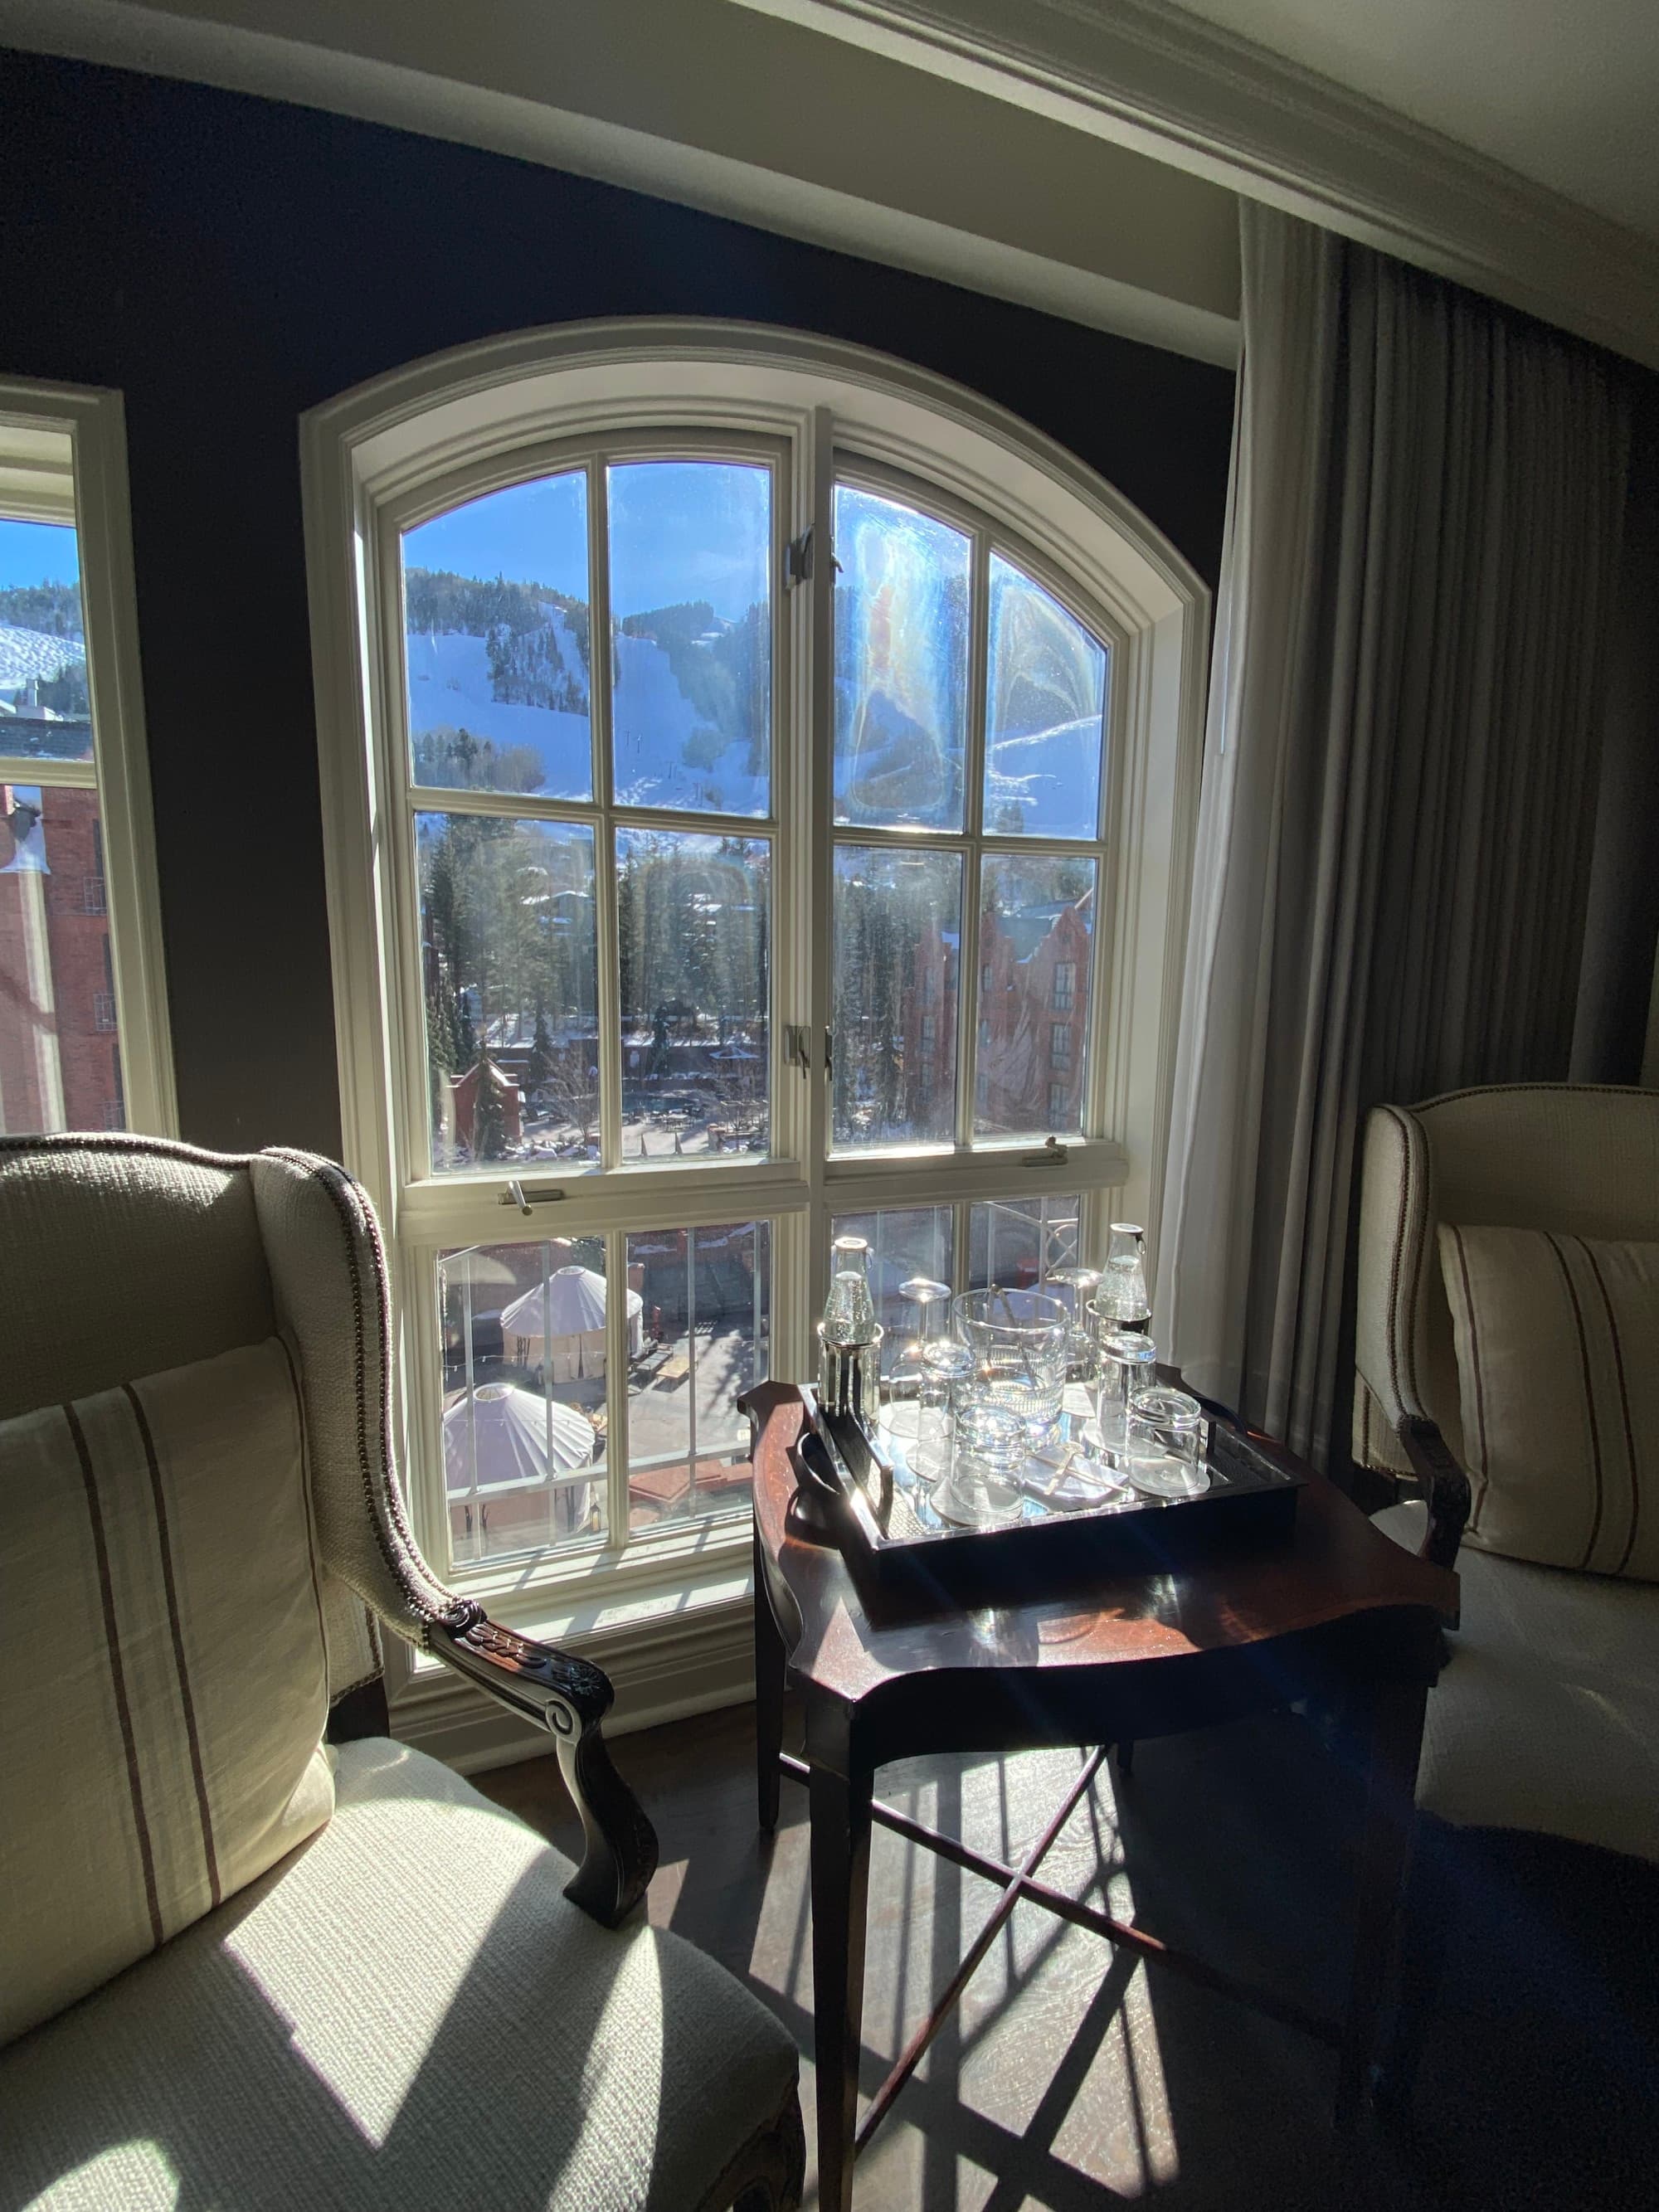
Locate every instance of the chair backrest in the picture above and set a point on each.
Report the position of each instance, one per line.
(124, 1256)
(1583, 1159)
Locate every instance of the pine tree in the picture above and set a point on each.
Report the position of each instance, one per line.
(488, 1123)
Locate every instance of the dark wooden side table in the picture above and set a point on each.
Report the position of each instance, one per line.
(1334, 1610)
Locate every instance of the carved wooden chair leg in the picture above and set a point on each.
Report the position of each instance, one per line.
(769, 2172)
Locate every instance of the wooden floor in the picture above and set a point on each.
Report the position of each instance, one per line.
(1066, 2079)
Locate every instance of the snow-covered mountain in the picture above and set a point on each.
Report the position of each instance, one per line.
(452, 685)
(27, 653)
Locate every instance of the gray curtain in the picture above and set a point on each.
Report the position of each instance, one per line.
(1401, 779)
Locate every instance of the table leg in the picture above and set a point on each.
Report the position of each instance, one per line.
(769, 1664)
(840, 1875)
(1392, 1734)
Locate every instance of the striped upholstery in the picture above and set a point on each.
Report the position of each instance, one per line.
(1558, 1356)
(163, 1683)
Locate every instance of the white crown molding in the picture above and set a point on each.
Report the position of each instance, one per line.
(1154, 78)
(236, 57)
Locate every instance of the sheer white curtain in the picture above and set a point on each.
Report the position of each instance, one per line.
(1400, 780)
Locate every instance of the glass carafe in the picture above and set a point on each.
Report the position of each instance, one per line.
(1120, 1295)
(849, 1311)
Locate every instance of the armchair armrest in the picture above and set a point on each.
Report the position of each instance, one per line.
(1444, 1487)
(569, 1698)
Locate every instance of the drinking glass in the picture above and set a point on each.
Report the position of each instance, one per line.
(979, 1489)
(904, 1417)
(948, 1367)
(1020, 1340)
(1164, 1454)
(1127, 1363)
(1080, 1351)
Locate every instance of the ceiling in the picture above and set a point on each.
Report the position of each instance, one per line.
(1566, 94)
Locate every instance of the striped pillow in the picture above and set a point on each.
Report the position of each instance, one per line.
(1558, 1365)
(163, 1689)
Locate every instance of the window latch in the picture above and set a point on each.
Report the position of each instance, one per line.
(797, 1048)
(516, 1195)
(797, 558)
(1053, 1155)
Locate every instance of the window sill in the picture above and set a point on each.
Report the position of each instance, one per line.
(591, 1593)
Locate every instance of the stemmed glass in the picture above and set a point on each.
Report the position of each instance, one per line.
(1080, 1347)
(904, 1417)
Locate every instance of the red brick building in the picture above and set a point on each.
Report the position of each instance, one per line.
(1033, 1000)
(60, 1067)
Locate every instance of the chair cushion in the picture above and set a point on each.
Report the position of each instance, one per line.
(1547, 1715)
(1558, 1358)
(162, 1683)
(406, 2012)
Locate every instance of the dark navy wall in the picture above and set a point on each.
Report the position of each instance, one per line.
(228, 262)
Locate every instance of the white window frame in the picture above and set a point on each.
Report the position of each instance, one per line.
(374, 457)
(76, 474)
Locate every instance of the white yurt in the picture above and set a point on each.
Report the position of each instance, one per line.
(559, 1325)
(503, 1441)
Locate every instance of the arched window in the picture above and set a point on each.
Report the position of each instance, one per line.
(759, 780)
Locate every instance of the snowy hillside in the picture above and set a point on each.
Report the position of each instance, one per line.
(27, 653)
(1052, 776)
(452, 686)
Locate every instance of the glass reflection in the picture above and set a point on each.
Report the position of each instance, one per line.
(510, 969)
(692, 926)
(901, 665)
(1045, 711)
(495, 642)
(524, 1361)
(899, 946)
(691, 618)
(1036, 938)
(706, 1300)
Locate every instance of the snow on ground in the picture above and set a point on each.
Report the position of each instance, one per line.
(27, 654)
(449, 688)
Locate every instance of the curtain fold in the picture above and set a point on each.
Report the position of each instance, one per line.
(1400, 780)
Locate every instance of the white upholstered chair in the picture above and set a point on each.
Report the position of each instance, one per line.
(1545, 1719)
(246, 1966)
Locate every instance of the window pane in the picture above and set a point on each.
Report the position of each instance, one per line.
(46, 710)
(524, 1354)
(693, 928)
(690, 606)
(1045, 708)
(898, 922)
(705, 1295)
(1036, 918)
(906, 1243)
(60, 1063)
(508, 952)
(497, 643)
(1018, 1243)
(901, 665)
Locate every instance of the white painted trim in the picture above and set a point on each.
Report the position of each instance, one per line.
(238, 58)
(1147, 75)
(95, 421)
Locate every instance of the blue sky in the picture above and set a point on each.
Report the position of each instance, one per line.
(37, 553)
(679, 530)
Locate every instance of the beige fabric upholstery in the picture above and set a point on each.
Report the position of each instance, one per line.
(1578, 1157)
(1557, 1357)
(1546, 1716)
(156, 1535)
(405, 2014)
(127, 1255)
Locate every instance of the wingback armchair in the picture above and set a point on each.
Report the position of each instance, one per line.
(251, 1958)
(1508, 1355)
